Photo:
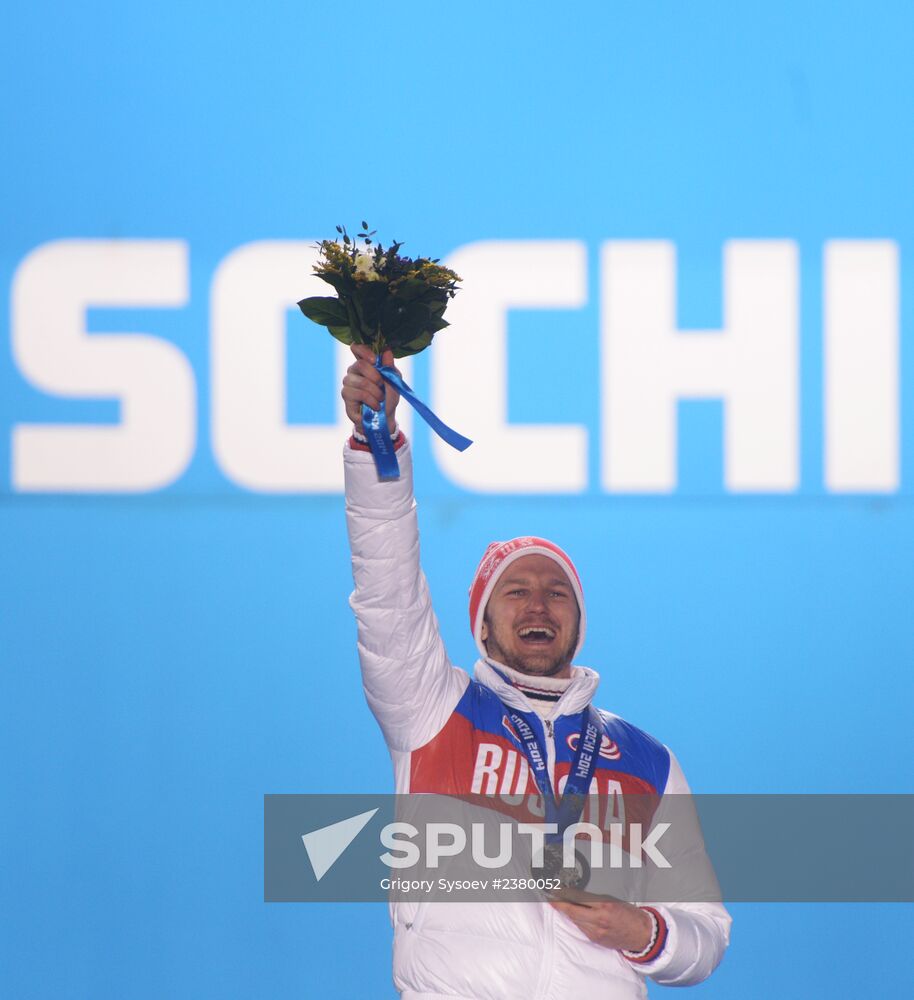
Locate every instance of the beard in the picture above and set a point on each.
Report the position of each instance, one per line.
(535, 662)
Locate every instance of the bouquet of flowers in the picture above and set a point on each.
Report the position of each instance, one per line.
(387, 301)
(383, 299)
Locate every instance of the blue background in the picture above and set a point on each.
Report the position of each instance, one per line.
(169, 658)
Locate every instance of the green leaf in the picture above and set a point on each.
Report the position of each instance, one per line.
(341, 282)
(370, 297)
(342, 333)
(423, 340)
(437, 324)
(392, 314)
(354, 320)
(410, 323)
(325, 310)
(411, 289)
(364, 224)
(414, 346)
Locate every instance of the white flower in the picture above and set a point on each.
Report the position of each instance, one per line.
(364, 267)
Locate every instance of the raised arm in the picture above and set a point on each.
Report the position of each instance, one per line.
(410, 684)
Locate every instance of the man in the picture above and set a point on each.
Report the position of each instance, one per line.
(450, 734)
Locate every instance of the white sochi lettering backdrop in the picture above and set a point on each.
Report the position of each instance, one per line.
(646, 366)
(153, 442)
(751, 364)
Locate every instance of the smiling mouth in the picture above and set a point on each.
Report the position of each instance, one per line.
(536, 635)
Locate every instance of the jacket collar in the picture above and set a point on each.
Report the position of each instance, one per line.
(576, 697)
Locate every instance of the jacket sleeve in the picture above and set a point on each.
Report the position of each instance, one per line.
(698, 932)
(410, 684)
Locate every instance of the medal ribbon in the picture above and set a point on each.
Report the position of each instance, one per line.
(569, 809)
(375, 424)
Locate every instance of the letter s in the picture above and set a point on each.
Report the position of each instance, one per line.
(154, 382)
(396, 837)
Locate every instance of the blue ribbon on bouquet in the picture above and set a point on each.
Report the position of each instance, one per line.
(375, 424)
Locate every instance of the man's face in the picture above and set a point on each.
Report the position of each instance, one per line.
(531, 620)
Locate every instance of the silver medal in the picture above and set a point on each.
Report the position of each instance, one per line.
(575, 877)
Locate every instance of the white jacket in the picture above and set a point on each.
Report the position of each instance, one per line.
(483, 951)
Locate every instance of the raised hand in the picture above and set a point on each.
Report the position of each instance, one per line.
(363, 384)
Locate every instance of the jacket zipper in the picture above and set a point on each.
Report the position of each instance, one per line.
(545, 976)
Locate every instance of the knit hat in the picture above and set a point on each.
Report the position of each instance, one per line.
(497, 558)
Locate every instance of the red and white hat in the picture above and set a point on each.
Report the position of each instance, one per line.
(497, 558)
